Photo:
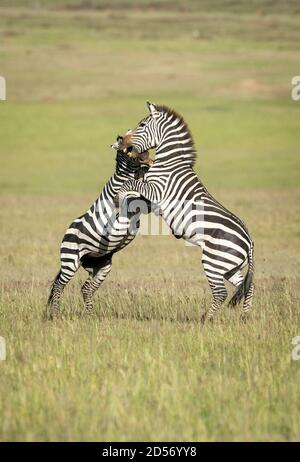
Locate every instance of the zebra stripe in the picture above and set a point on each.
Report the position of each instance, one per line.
(189, 209)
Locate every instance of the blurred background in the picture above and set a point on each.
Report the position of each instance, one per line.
(77, 74)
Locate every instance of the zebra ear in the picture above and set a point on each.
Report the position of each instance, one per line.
(152, 109)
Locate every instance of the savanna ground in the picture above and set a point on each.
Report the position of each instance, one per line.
(141, 367)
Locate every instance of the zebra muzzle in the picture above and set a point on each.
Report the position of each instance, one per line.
(122, 144)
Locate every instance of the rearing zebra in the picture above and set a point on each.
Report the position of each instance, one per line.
(92, 239)
(187, 207)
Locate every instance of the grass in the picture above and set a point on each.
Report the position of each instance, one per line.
(141, 367)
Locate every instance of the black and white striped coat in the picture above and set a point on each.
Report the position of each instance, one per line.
(188, 208)
(93, 238)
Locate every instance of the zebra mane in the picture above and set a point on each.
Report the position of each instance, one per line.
(192, 156)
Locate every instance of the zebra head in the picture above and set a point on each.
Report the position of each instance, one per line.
(146, 135)
(166, 131)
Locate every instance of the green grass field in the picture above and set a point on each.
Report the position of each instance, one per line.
(141, 367)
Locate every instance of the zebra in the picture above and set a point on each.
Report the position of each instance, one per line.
(93, 238)
(189, 209)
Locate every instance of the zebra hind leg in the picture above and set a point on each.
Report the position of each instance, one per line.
(97, 275)
(244, 290)
(247, 305)
(56, 290)
(219, 294)
(248, 284)
(65, 274)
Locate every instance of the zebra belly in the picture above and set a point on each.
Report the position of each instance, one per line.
(79, 241)
(184, 218)
(195, 225)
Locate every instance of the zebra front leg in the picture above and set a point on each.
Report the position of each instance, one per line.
(150, 191)
(93, 282)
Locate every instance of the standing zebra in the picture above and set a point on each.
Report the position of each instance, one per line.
(93, 238)
(187, 207)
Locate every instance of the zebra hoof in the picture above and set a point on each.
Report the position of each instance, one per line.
(51, 315)
(203, 318)
(244, 318)
(89, 312)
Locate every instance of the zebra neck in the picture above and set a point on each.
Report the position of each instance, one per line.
(114, 184)
(176, 148)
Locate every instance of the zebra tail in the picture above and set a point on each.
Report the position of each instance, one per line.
(50, 299)
(243, 289)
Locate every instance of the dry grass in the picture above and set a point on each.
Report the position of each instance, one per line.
(141, 367)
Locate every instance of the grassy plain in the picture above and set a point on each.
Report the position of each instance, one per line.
(141, 367)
